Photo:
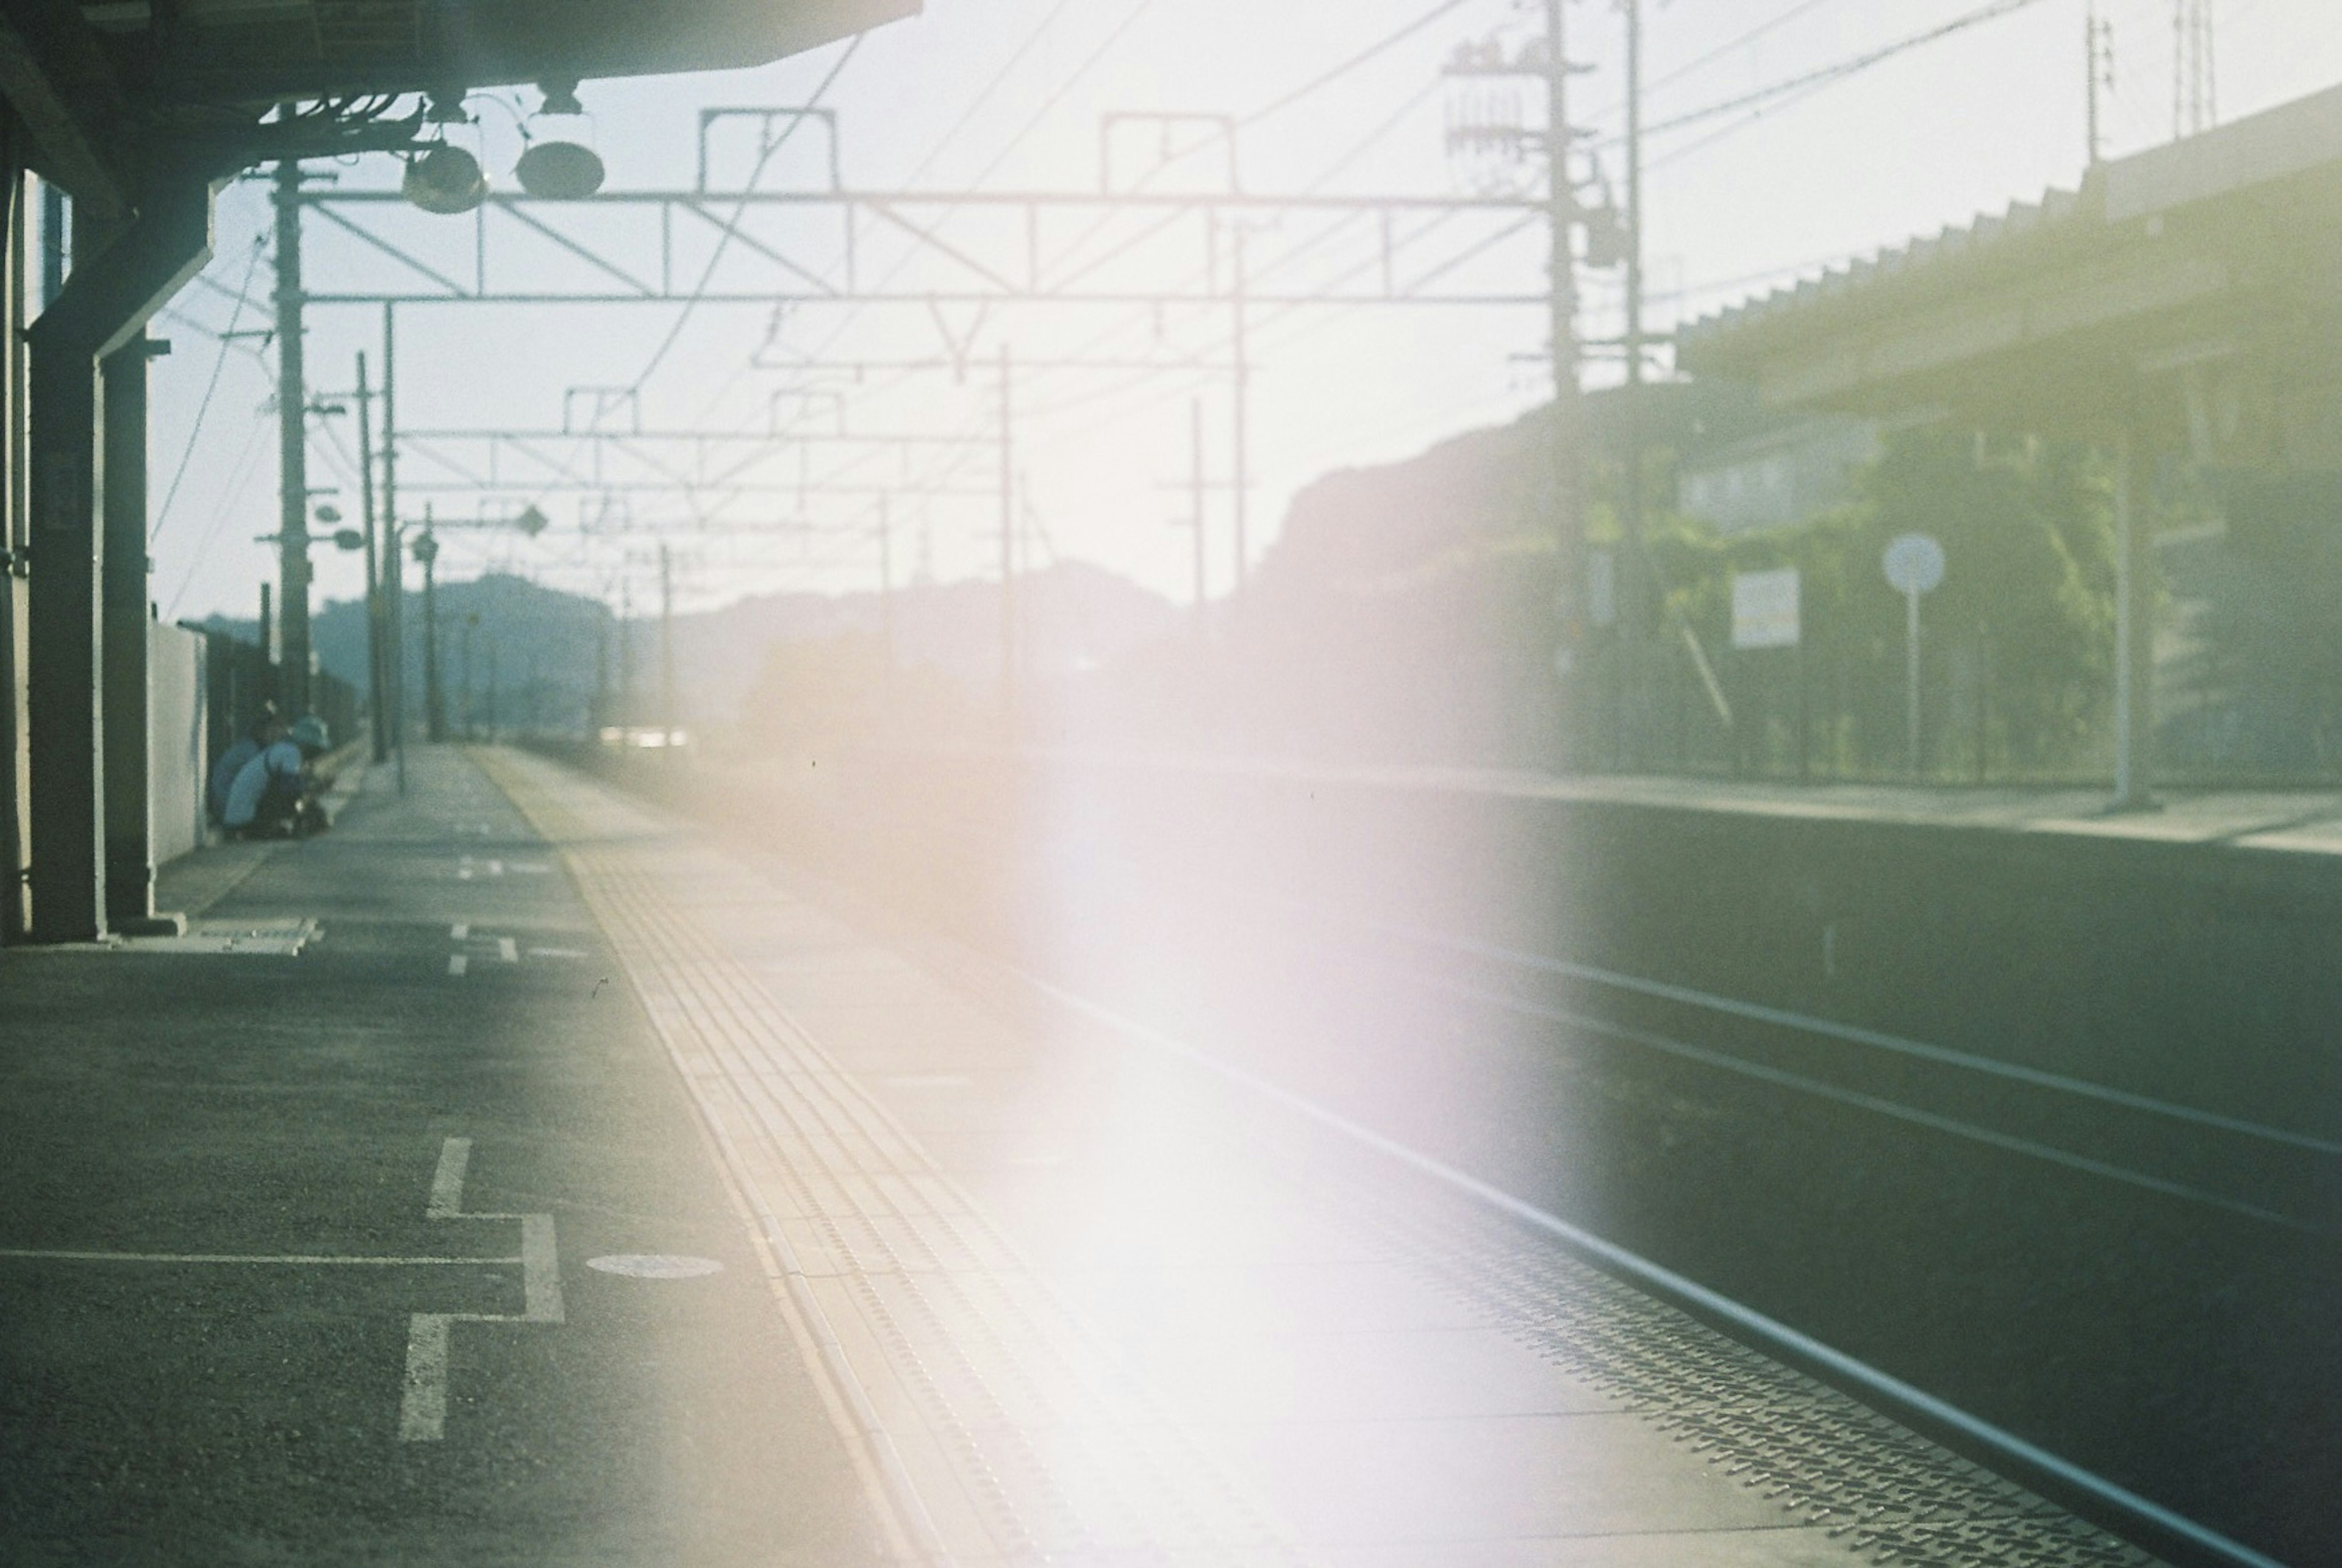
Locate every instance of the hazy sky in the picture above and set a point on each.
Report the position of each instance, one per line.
(1736, 205)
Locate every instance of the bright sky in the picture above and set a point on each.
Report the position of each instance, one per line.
(1009, 93)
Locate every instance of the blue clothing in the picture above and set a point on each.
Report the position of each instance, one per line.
(223, 773)
(276, 770)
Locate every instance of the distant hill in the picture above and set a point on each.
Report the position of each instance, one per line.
(545, 642)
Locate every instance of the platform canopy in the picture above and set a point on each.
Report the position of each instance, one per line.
(107, 83)
(2189, 296)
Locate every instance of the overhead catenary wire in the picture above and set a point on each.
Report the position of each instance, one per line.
(219, 363)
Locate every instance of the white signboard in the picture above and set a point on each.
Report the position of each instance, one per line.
(1601, 588)
(1914, 565)
(1765, 609)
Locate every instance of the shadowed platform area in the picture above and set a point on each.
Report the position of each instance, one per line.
(582, 1191)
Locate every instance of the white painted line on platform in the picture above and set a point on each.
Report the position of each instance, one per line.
(447, 1180)
(461, 931)
(462, 874)
(457, 963)
(655, 1265)
(508, 950)
(422, 1408)
(558, 952)
(423, 1402)
(282, 1260)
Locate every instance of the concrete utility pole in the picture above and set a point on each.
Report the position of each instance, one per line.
(1007, 534)
(887, 578)
(598, 718)
(435, 707)
(2099, 51)
(377, 638)
(1196, 484)
(666, 644)
(1240, 446)
(1565, 443)
(292, 447)
(394, 558)
(1638, 599)
(2133, 632)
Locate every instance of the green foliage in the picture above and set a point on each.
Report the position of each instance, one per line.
(2024, 621)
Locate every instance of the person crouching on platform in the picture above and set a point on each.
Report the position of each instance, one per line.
(275, 794)
(266, 731)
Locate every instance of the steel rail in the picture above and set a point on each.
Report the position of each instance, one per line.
(2108, 1504)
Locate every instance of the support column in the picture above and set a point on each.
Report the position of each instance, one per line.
(2133, 634)
(68, 864)
(123, 596)
(292, 451)
(112, 292)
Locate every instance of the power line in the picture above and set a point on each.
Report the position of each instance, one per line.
(740, 214)
(1809, 81)
(227, 341)
(1373, 51)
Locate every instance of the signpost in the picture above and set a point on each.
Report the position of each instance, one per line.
(1914, 565)
(1765, 609)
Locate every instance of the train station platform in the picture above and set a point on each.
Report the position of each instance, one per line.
(519, 1174)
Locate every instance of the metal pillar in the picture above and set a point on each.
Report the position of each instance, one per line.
(292, 448)
(2134, 637)
(106, 300)
(123, 619)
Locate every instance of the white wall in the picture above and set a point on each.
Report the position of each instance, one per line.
(175, 740)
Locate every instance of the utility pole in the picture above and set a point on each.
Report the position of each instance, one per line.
(2195, 107)
(463, 663)
(1638, 602)
(435, 708)
(626, 699)
(598, 719)
(667, 645)
(1566, 441)
(292, 445)
(377, 691)
(268, 639)
(1240, 346)
(394, 558)
(887, 578)
(2098, 40)
(1196, 484)
(1008, 535)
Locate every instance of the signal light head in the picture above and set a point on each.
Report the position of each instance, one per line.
(559, 171)
(447, 180)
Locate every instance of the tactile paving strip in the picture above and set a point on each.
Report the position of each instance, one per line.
(1020, 1441)
(1893, 1494)
(1034, 1447)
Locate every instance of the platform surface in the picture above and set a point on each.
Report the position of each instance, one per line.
(585, 1191)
